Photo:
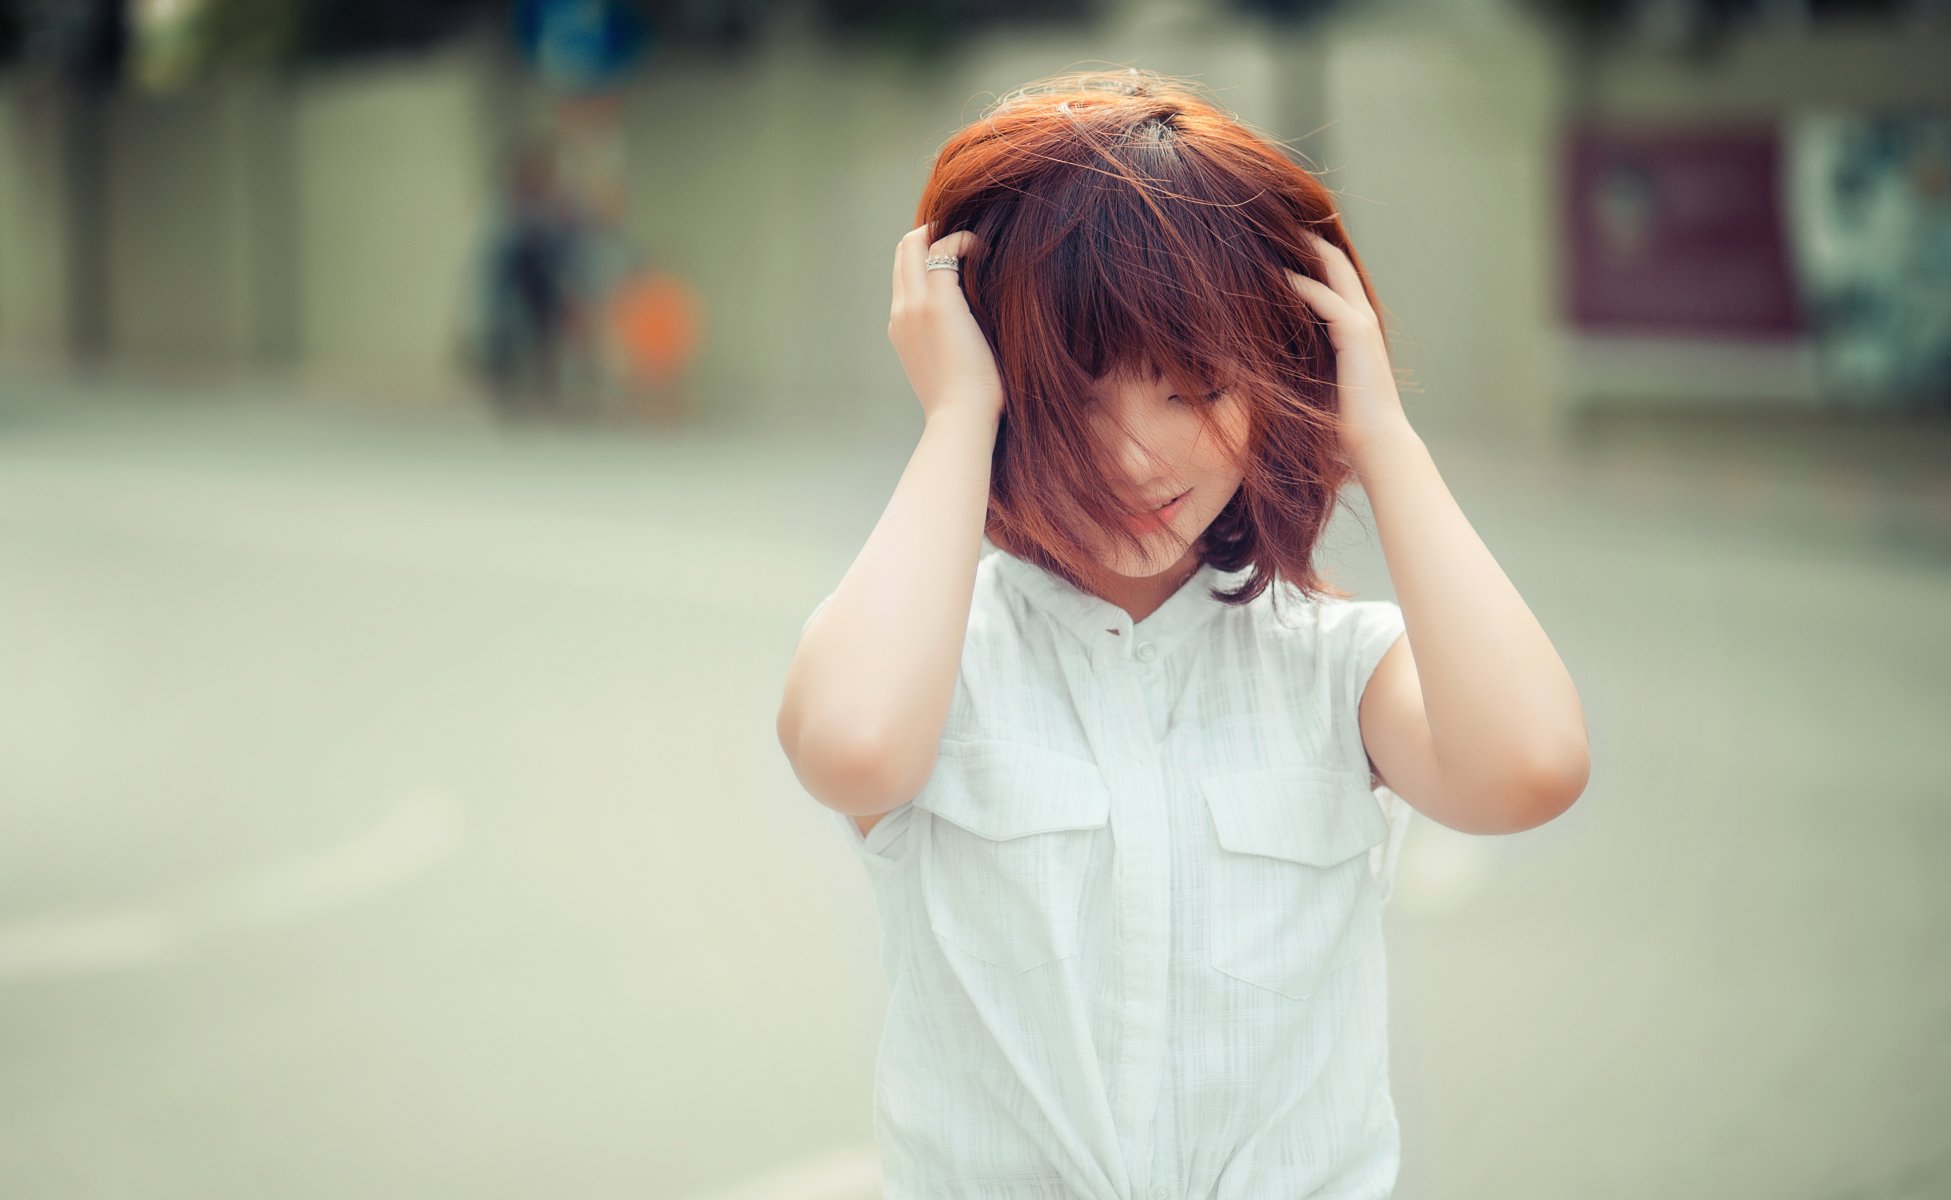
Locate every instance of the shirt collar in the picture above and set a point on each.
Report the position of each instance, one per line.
(1108, 629)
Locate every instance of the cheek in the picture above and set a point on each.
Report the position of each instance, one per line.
(1216, 449)
(1237, 428)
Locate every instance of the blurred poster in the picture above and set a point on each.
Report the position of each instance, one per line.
(1870, 198)
(1679, 232)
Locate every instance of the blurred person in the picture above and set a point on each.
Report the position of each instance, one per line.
(1130, 822)
(531, 293)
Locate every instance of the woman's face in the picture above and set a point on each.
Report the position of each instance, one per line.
(1167, 456)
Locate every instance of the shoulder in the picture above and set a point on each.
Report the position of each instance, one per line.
(1331, 640)
(1010, 684)
(991, 593)
(1341, 625)
(1000, 616)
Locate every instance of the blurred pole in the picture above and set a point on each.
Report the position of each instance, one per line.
(85, 154)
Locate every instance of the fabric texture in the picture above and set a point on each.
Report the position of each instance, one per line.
(1131, 924)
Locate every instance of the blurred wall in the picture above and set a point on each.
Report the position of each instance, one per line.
(197, 271)
(37, 233)
(392, 172)
(323, 224)
(1776, 73)
(778, 185)
(1443, 140)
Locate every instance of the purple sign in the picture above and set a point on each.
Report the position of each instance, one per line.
(1679, 233)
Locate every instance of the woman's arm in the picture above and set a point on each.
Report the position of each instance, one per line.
(1471, 717)
(868, 690)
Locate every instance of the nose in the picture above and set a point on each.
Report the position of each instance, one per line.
(1140, 464)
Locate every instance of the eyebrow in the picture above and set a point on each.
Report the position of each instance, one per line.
(1154, 373)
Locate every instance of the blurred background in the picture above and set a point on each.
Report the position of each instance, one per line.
(424, 425)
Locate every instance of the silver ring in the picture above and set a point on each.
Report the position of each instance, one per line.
(942, 262)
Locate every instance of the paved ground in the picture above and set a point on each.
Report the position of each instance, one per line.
(392, 810)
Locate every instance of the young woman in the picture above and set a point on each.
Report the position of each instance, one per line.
(1118, 794)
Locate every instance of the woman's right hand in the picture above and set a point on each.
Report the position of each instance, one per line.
(948, 361)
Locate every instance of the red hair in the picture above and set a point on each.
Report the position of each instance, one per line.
(1126, 226)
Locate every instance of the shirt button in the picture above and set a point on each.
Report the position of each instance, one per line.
(1146, 652)
(1160, 1193)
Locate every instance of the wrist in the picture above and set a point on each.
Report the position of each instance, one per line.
(974, 414)
(1370, 450)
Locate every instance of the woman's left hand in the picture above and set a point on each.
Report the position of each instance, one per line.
(1365, 387)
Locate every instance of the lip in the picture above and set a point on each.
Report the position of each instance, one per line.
(1158, 517)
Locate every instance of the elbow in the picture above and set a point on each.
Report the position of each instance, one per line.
(858, 776)
(1547, 789)
(1520, 797)
(1510, 794)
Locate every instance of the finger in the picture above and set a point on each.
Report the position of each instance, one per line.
(1327, 303)
(957, 246)
(914, 248)
(905, 281)
(1339, 272)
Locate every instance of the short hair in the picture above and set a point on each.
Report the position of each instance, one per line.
(1126, 226)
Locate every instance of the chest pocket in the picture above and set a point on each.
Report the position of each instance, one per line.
(1018, 831)
(1290, 895)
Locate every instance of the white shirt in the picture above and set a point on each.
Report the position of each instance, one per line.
(1131, 925)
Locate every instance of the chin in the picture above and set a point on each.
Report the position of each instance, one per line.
(1159, 563)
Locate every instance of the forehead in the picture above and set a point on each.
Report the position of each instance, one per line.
(1130, 377)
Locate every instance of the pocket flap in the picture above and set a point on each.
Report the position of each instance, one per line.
(1005, 790)
(1313, 815)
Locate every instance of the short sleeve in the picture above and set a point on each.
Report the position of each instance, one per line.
(1364, 630)
(883, 845)
(1371, 627)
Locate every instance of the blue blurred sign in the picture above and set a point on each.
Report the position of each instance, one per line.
(579, 45)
